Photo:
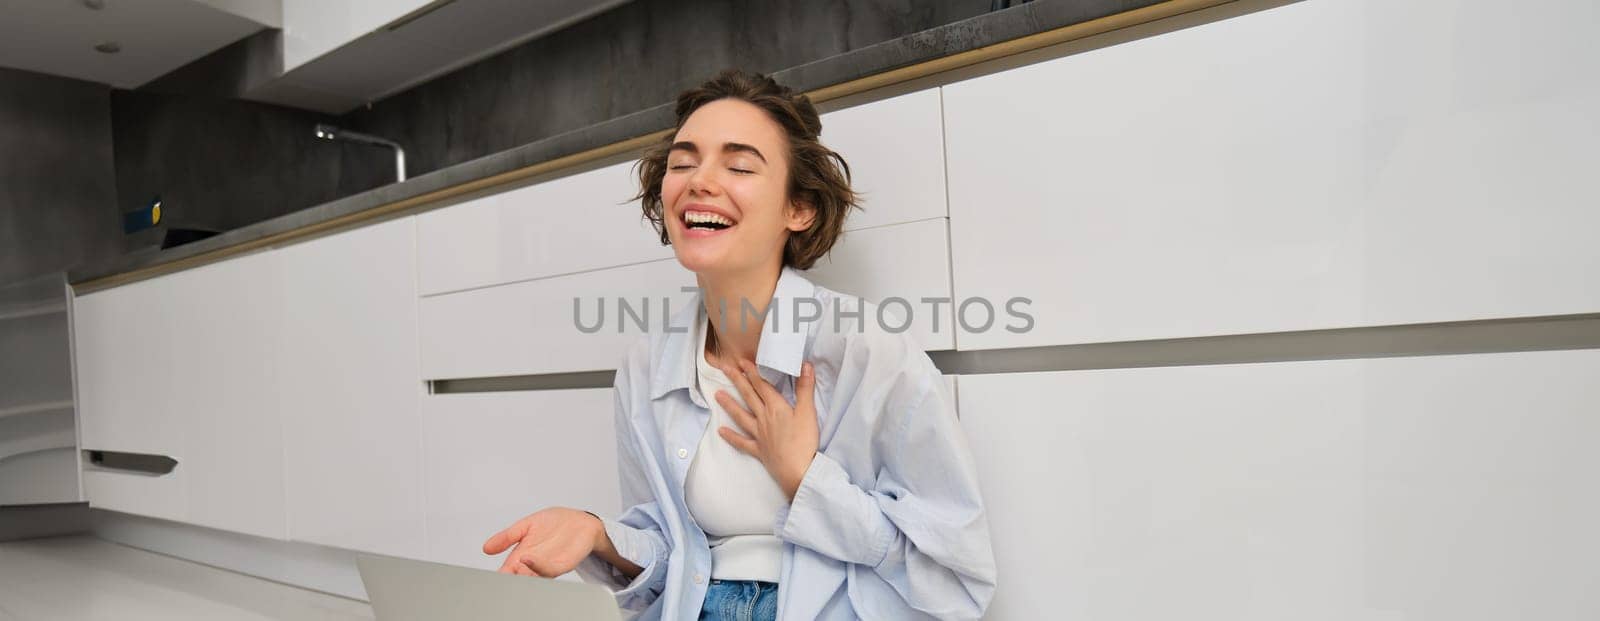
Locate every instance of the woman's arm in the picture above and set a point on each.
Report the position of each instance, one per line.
(607, 551)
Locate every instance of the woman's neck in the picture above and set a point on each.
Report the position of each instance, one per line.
(726, 297)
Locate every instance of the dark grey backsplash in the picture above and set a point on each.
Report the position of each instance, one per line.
(57, 194)
(633, 57)
(221, 164)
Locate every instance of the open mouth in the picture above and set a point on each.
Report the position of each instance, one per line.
(705, 221)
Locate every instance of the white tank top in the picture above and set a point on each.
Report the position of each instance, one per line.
(729, 493)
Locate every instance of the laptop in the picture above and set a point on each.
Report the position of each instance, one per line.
(404, 589)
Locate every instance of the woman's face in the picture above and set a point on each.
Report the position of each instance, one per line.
(725, 193)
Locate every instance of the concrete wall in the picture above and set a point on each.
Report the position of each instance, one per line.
(639, 55)
(221, 164)
(57, 189)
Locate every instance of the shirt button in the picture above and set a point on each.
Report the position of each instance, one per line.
(683, 453)
(699, 578)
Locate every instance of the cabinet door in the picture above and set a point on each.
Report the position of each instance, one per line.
(496, 457)
(533, 327)
(1450, 486)
(350, 390)
(895, 149)
(567, 225)
(226, 359)
(126, 369)
(128, 398)
(897, 267)
(1317, 165)
(184, 366)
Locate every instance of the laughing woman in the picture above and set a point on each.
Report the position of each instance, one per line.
(783, 456)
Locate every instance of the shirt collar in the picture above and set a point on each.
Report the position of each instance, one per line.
(783, 334)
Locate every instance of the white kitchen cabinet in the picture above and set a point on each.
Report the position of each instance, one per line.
(1454, 487)
(225, 343)
(496, 457)
(571, 224)
(349, 390)
(182, 366)
(909, 261)
(529, 327)
(127, 388)
(588, 221)
(532, 327)
(128, 395)
(1316, 165)
(312, 28)
(895, 149)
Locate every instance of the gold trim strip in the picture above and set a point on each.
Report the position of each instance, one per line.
(895, 76)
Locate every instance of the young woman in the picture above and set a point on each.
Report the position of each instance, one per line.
(783, 455)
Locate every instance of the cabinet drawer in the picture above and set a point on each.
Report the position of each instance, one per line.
(1231, 191)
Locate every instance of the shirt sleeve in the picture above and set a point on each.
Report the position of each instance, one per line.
(917, 538)
(637, 533)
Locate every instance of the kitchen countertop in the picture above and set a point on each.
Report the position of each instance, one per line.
(929, 45)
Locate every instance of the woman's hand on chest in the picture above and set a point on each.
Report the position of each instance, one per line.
(783, 436)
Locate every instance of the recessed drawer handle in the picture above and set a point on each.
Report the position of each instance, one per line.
(133, 462)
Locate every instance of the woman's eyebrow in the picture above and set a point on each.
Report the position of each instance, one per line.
(727, 147)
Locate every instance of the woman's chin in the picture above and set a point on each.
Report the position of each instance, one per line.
(699, 262)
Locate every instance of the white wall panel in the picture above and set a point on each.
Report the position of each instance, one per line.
(1321, 164)
(1448, 487)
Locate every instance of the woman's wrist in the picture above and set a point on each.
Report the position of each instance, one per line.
(601, 540)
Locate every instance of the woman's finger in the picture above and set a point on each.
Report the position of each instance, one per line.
(769, 395)
(757, 407)
(747, 423)
(744, 444)
(804, 388)
(505, 538)
(509, 562)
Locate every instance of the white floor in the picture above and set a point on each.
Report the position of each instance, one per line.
(81, 578)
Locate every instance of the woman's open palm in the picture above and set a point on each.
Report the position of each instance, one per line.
(548, 543)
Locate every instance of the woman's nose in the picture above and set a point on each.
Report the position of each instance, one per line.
(701, 182)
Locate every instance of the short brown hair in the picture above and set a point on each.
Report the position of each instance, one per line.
(817, 175)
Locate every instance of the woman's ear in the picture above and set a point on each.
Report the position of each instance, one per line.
(801, 214)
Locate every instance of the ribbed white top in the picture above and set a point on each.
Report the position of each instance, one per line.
(729, 493)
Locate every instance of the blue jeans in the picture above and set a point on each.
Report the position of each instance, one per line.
(740, 600)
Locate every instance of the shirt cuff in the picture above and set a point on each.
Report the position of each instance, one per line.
(632, 544)
(835, 517)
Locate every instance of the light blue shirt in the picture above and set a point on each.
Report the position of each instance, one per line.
(887, 522)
